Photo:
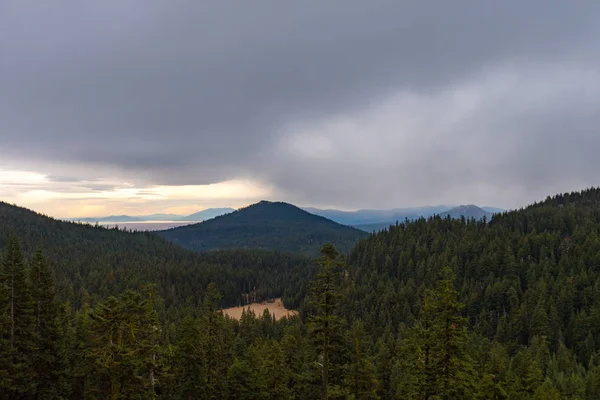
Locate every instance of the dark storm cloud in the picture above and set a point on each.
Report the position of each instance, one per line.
(199, 92)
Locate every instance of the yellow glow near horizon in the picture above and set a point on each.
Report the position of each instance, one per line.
(73, 199)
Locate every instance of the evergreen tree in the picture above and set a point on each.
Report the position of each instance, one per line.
(325, 325)
(190, 361)
(361, 376)
(214, 346)
(5, 328)
(451, 365)
(51, 355)
(124, 347)
(546, 391)
(21, 380)
(274, 373)
(242, 382)
(432, 358)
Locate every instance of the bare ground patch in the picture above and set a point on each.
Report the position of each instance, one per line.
(275, 308)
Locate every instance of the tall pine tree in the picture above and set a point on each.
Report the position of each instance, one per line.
(51, 356)
(325, 326)
(20, 381)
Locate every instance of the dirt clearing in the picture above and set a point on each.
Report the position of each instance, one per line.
(275, 308)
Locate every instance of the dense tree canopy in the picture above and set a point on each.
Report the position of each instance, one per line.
(91, 263)
(430, 309)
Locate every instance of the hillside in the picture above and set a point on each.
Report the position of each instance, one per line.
(467, 211)
(528, 281)
(266, 225)
(91, 263)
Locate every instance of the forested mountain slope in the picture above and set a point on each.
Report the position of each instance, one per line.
(527, 277)
(91, 263)
(266, 225)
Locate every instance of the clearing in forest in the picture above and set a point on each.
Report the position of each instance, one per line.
(275, 308)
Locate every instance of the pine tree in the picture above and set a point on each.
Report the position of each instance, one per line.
(242, 382)
(361, 377)
(20, 382)
(214, 346)
(124, 346)
(385, 351)
(451, 364)
(274, 373)
(50, 362)
(546, 391)
(432, 357)
(412, 377)
(325, 325)
(190, 372)
(5, 328)
(299, 360)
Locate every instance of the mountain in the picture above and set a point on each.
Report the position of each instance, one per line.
(160, 217)
(362, 217)
(468, 211)
(91, 263)
(266, 225)
(375, 220)
(110, 218)
(199, 216)
(207, 214)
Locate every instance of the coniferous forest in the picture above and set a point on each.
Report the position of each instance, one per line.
(437, 308)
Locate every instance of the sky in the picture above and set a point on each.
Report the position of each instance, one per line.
(136, 107)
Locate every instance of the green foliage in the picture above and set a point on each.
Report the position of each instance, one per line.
(93, 263)
(430, 309)
(361, 375)
(434, 361)
(50, 363)
(123, 345)
(325, 326)
(19, 340)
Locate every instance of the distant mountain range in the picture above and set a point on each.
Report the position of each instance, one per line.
(361, 217)
(374, 220)
(266, 225)
(367, 220)
(196, 217)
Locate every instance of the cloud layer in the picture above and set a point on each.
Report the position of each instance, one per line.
(339, 103)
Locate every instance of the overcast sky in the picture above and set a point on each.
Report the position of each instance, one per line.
(121, 106)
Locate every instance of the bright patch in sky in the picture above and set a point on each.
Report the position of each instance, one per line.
(102, 197)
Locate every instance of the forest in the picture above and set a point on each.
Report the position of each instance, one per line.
(436, 308)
